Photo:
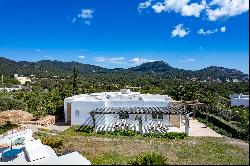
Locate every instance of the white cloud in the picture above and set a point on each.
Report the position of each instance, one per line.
(180, 6)
(193, 9)
(175, 5)
(144, 5)
(226, 8)
(179, 31)
(158, 7)
(86, 15)
(110, 60)
(138, 61)
(208, 32)
(214, 10)
(187, 60)
(81, 57)
(223, 29)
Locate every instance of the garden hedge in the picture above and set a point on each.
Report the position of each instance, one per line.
(217, 123)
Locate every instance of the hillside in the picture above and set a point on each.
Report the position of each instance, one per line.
(47, 68)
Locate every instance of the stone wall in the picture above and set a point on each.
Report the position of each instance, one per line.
(15, 116)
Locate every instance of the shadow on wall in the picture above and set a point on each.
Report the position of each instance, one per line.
(100, 119)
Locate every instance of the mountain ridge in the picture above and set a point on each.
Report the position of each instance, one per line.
(48, 67)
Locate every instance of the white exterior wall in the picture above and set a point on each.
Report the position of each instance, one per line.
(87, 103)
(237, 100)
(85, 107)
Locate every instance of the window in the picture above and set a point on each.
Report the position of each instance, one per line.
(77, 113)
(123, 116)
(157, 116)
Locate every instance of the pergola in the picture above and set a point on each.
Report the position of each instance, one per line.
(170, 110)
(194, 103)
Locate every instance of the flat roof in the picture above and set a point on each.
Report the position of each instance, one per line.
(120, 95)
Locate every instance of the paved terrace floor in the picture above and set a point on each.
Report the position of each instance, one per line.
(200, 130)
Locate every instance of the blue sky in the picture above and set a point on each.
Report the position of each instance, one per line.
(188, 34)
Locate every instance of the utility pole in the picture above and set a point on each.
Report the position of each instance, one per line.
(2, 78)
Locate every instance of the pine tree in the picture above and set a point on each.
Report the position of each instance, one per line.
(75, 81)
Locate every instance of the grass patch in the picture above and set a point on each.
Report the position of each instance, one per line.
(149, 159)
(111, 158)
(111, 149)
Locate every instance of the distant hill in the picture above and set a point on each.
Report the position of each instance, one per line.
(48, 68)
(45, 68)
(156, 66)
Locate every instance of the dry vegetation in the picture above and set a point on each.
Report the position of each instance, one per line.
(121, 149)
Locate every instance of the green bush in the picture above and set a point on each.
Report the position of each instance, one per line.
(54, 143)
(7, 126)
(86, 129)
(119, 132)
(131, 133)
(40, 134)
(223, 127)
(149, 159)
(8, 103)
(170, 135)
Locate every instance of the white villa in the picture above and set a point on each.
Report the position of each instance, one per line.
(239, 99)
(124, 109)
(20, 148)
(21, 79)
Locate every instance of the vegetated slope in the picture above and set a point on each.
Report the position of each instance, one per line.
(48, 68)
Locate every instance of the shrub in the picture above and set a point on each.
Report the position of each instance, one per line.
(8, 103)
(149, 159)
(40, 134)
(170, 135)
(223, 127)
(86, 129)
(43, 129)
(7, 126)
(119, 132)
(102, 132)
(54, 143)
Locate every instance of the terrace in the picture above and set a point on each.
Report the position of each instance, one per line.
(138, 123)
